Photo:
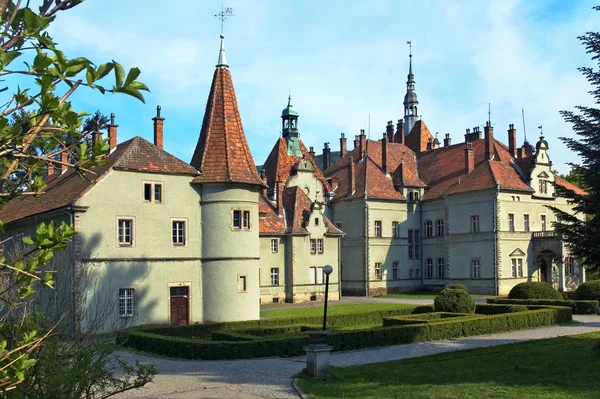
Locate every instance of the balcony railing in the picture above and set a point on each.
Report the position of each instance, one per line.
(546, 234)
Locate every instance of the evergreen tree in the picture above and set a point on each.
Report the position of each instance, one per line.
(581, 231)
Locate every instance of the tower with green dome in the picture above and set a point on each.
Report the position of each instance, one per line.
(289, 129)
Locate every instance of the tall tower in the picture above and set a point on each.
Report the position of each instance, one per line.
(410, 99)
(229, 187)
(289, 129)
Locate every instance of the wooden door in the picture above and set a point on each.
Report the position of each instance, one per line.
(179, 306)
(543, 271)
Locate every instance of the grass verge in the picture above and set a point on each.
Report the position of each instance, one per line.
(564, 367)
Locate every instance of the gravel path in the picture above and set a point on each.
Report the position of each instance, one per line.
(272, 377)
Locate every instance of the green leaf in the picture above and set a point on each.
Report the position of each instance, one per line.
(90, 76)
(132, 76)
(138, 86)
(119, 74)
(132, 92)
(104, 70)
(28, 240)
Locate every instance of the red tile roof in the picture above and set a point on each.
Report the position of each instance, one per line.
(279, 164)
(568, 185)
(222, 154)
(419, 137)
(269, 221)
(63, 190)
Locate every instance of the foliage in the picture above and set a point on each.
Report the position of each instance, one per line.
(498, 308)
(530, 369)
(577, 306)
(37, 124)
(588, 290)
(458, 287)
(580, 232)
(333, 310)
(240, 344)
(534, 290)
(454, 301)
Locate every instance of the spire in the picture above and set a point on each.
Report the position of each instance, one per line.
(222, 61)
(222, 154)
(410, 98)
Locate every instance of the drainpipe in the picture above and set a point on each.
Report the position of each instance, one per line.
(367, 252)
(495, 215)
(421, 239)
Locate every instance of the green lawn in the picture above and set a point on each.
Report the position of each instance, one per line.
(331, 310)
(565, 367)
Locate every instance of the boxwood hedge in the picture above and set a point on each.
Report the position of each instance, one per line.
(578, 307)
(150, 340)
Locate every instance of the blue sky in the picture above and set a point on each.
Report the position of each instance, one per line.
(342, 61)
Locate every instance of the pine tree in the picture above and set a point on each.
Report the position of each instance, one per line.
(581, 231)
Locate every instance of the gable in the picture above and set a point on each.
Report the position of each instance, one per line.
(517, 252)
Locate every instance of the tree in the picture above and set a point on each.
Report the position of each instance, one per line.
(582, 233)
(37, 124)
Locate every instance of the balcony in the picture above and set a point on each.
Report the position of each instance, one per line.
(546, 234)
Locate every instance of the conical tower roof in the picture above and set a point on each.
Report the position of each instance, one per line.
(222, 154)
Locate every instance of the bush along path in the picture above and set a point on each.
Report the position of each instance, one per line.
(272, 377)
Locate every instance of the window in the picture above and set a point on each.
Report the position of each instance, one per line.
(440, 227)
(274, 276)
(417, 273)
(313, 246)
(440, 268)
(543, 186)
(475, 268)
(543, 222)
(153, 192)
(429, 268)
(526, 223)
(274, 245)
(378, 273)
(378, 228)
(242, 283)
(428, 228)
(125, 232)
(126, 296)
(316, 275)
(416, 196)
(316, 221)
(511, 222)
(517, 267)
(413, 244)
(474, 223)
(241, 219)
(395, 270)
(178, 232)
(320, 245)
(410, 273)
(395, 229)
(569, 265)
(338, 225)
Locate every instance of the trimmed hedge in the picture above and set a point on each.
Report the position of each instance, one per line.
(419, 318)
(489, 309)
(454, 301)
(347, 340)
(577, 307)
(589, 290)
(458, 287)
(534, 290)
(568, 295)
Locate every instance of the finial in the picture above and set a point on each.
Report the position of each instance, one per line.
(489, 114)
(541, 132)
(290, 99)
(158, 111)
(222, 16)
(222, 61)
(112, 118)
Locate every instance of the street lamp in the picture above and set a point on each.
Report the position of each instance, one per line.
(327, 269)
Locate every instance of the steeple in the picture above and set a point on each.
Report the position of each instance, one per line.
(222, 154)
(289, 128)
(410, 98)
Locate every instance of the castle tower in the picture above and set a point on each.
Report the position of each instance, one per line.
(229, 188)
(289, 129)
(410, 99)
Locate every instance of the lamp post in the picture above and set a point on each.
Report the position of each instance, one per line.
(327, 269)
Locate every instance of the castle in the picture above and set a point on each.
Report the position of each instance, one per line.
(165, 241)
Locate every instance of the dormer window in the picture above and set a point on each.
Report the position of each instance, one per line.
(543, 189)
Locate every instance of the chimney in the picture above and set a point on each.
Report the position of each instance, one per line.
(64, 159)
(96, 138)
(469, 158)
(279, 195)
(311, 151)
(263, 175)
(356, 141)
(447, 140)
(467, 135)
(362, 138)
(389, 131)
(158, 128)
(399, 132)
(326, 155)
(384, 146)
(351, 180)
(512, 140)
(112, 134)
(429, 144)
(343, 145)
(489, 140)
(50, 167)
(519, 152)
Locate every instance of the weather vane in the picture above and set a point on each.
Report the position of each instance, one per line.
(222, 16)
(541, 131)
(410, 46)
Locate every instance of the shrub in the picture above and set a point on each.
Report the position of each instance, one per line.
(589, 290)
(578, 307)
(459, 287)
(568, 295)
(454, 301)
(534, 290)
(499, 309)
